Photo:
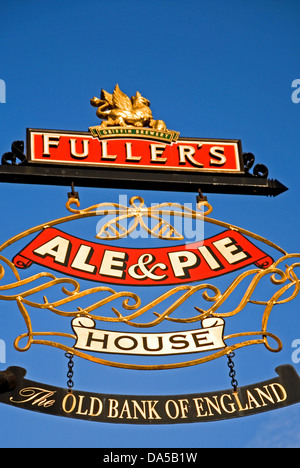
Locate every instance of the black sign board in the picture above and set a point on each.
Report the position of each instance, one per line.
(17, 168)
(278, 392)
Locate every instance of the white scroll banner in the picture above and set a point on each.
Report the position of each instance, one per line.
(207, 338)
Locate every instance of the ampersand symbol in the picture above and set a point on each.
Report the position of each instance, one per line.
(143, 261)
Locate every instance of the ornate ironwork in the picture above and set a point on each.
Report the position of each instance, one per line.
(98, 298)
(259, 170)
(16, 169)
(16, 156)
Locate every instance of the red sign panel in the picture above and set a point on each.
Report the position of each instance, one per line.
(223, 253)
(138, 151)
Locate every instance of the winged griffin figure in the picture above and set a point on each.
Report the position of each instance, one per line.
(118, 109)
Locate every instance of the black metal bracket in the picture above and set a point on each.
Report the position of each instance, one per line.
(8, 381)
(16, 154)
(73, 194)
(24, 172)
(200, 197)
(259, 170)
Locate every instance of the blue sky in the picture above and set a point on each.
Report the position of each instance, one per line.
(211, 69)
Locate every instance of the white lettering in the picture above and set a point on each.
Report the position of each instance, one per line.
(90, 338)
(182, 261)
(217, 152)
(58, 248)
(85, 149)
(129, 156)
(187, 152)
(105, 155)
(49, 140)
(230, 250)
(113, 264)
(210, 259)
(81, 259)
(143, 261)
(156, 153)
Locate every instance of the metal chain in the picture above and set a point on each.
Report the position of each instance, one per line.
(70, 372)
(232, 372)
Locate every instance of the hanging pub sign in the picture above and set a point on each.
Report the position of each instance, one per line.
(96, 280)
(99, 262)
(136, 150)
(155, 304)
(131, 147)
(280, 391)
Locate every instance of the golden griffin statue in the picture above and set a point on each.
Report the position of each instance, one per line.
(118, 109)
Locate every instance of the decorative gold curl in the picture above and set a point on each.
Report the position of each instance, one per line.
(209, 293)
(177, 365)
(137, 211)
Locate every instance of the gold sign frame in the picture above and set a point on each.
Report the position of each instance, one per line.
(284, 277)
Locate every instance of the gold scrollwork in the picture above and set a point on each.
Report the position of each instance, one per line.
(140, 215)
(284, 278)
